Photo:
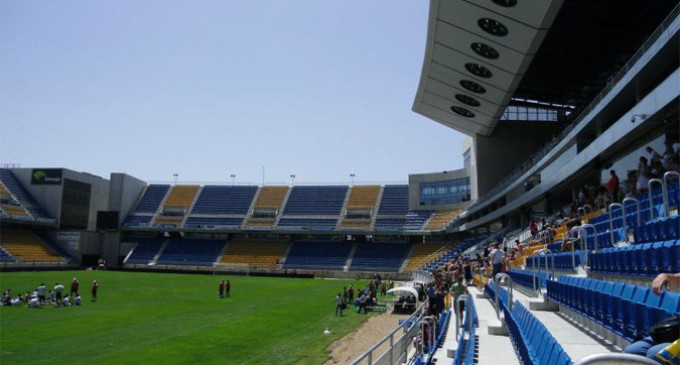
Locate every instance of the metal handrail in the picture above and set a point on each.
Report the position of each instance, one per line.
(649, 192)
(497, 281)
(637, 207)
(584, 244)
(459, 321)
(665, 188)
(615, 359)
(543, 252)
(611, 219)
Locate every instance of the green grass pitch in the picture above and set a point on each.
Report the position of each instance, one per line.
(155, 318)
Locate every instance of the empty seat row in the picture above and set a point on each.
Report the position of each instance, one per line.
(394, 200)
(191, 252)
(316, 200)
(212, 222)
(528, 278)
(560, 261)
(648, 259)
(532, 341)
(152, 198)
(144, 251)
(137, 221)
(309, 224)
(22, 196)
(380, 256)
(220, 199)
(658, 230)
(627, 310)
(327, 255)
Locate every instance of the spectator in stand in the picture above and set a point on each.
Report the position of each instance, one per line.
(533, 228)
(668, 153)
(653, 155)
(642, 176)
(647, 347)
(656, 169)
(613, 186)
(519, 245)
(496, 256)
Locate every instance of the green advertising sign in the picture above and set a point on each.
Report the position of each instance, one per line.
(46, 177)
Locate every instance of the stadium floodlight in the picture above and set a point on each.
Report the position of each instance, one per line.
(352, 175)
(233, 179)
(175, 175)
(292, 179)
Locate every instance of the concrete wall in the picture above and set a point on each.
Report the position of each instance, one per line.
(48, 196)
(511, 143)
(414, 181)
(124, 193)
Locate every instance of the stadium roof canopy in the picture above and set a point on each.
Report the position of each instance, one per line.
(482, 56)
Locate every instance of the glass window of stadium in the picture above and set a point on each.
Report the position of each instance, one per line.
(445, 192)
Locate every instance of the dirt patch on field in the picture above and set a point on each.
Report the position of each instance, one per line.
(348, 348)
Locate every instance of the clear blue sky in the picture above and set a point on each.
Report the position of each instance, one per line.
(316, 88)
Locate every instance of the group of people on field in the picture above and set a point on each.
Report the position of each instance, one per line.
(225, 288)
(41, 296)
(365, 297)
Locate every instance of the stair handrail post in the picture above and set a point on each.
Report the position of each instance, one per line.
(611, 220)
(649, 192)
(667, 175)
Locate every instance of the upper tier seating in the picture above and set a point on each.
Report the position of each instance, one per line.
(264, 254)
(216, 199)
(22, 196)
(213, 222)
(307, 224)
(356, 225)
(137, 221)
(191, 252)
(627, 310)
(363, 197)
(415, 219)
(152, 198)
(380, 256)
(145, 251)
(424, 253)
(389, 224)
(316, 200)
(181, 196)
(271, 197)
(441, 219)
(26, 246)
(394, 200)
(322, 255)
(14, 211)
(167, 222)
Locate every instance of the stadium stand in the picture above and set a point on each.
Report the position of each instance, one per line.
(167, 222)
(191, 252)
(152, 198)
(415, 219)
(309, 224)
(137, 221)
(15, 211)
(315, 200)
(267, 207)
(394, 200)
(440, 219)
(363, 197)
(380, 256)
(12, 185)
(5, 256)
(390, 224)
(212, 222)
(145, 250)
(219, 199)
(180, 198)
(425, 253)
(261, 254)
(28, 247)
(321, 255)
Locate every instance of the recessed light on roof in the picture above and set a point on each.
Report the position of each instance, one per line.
(505, 3)
(478, 70)
(462, 111)
(467, 100)
(473, 86)
(493, 27)
(484, 50)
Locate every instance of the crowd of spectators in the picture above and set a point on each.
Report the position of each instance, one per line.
(41, 297)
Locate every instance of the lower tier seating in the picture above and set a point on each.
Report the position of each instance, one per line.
(145, 250)
(320, 255)
(380, 256)
(191, 252)
(28, 247)
(262, 254)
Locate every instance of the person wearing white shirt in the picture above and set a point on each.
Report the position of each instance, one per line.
(496, 256)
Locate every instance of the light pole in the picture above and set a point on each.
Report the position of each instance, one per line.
(233, 179)
(175, 175)
(352, 175)
(292, 179)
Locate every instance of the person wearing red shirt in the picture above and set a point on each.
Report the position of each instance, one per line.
(228, 288)
(222, 289)
(613, 186)
(74, 287)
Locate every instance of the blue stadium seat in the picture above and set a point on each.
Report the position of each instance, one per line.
(316, 200)
(321, 255)
(152, 198)
(394, 200)
(221, 199)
